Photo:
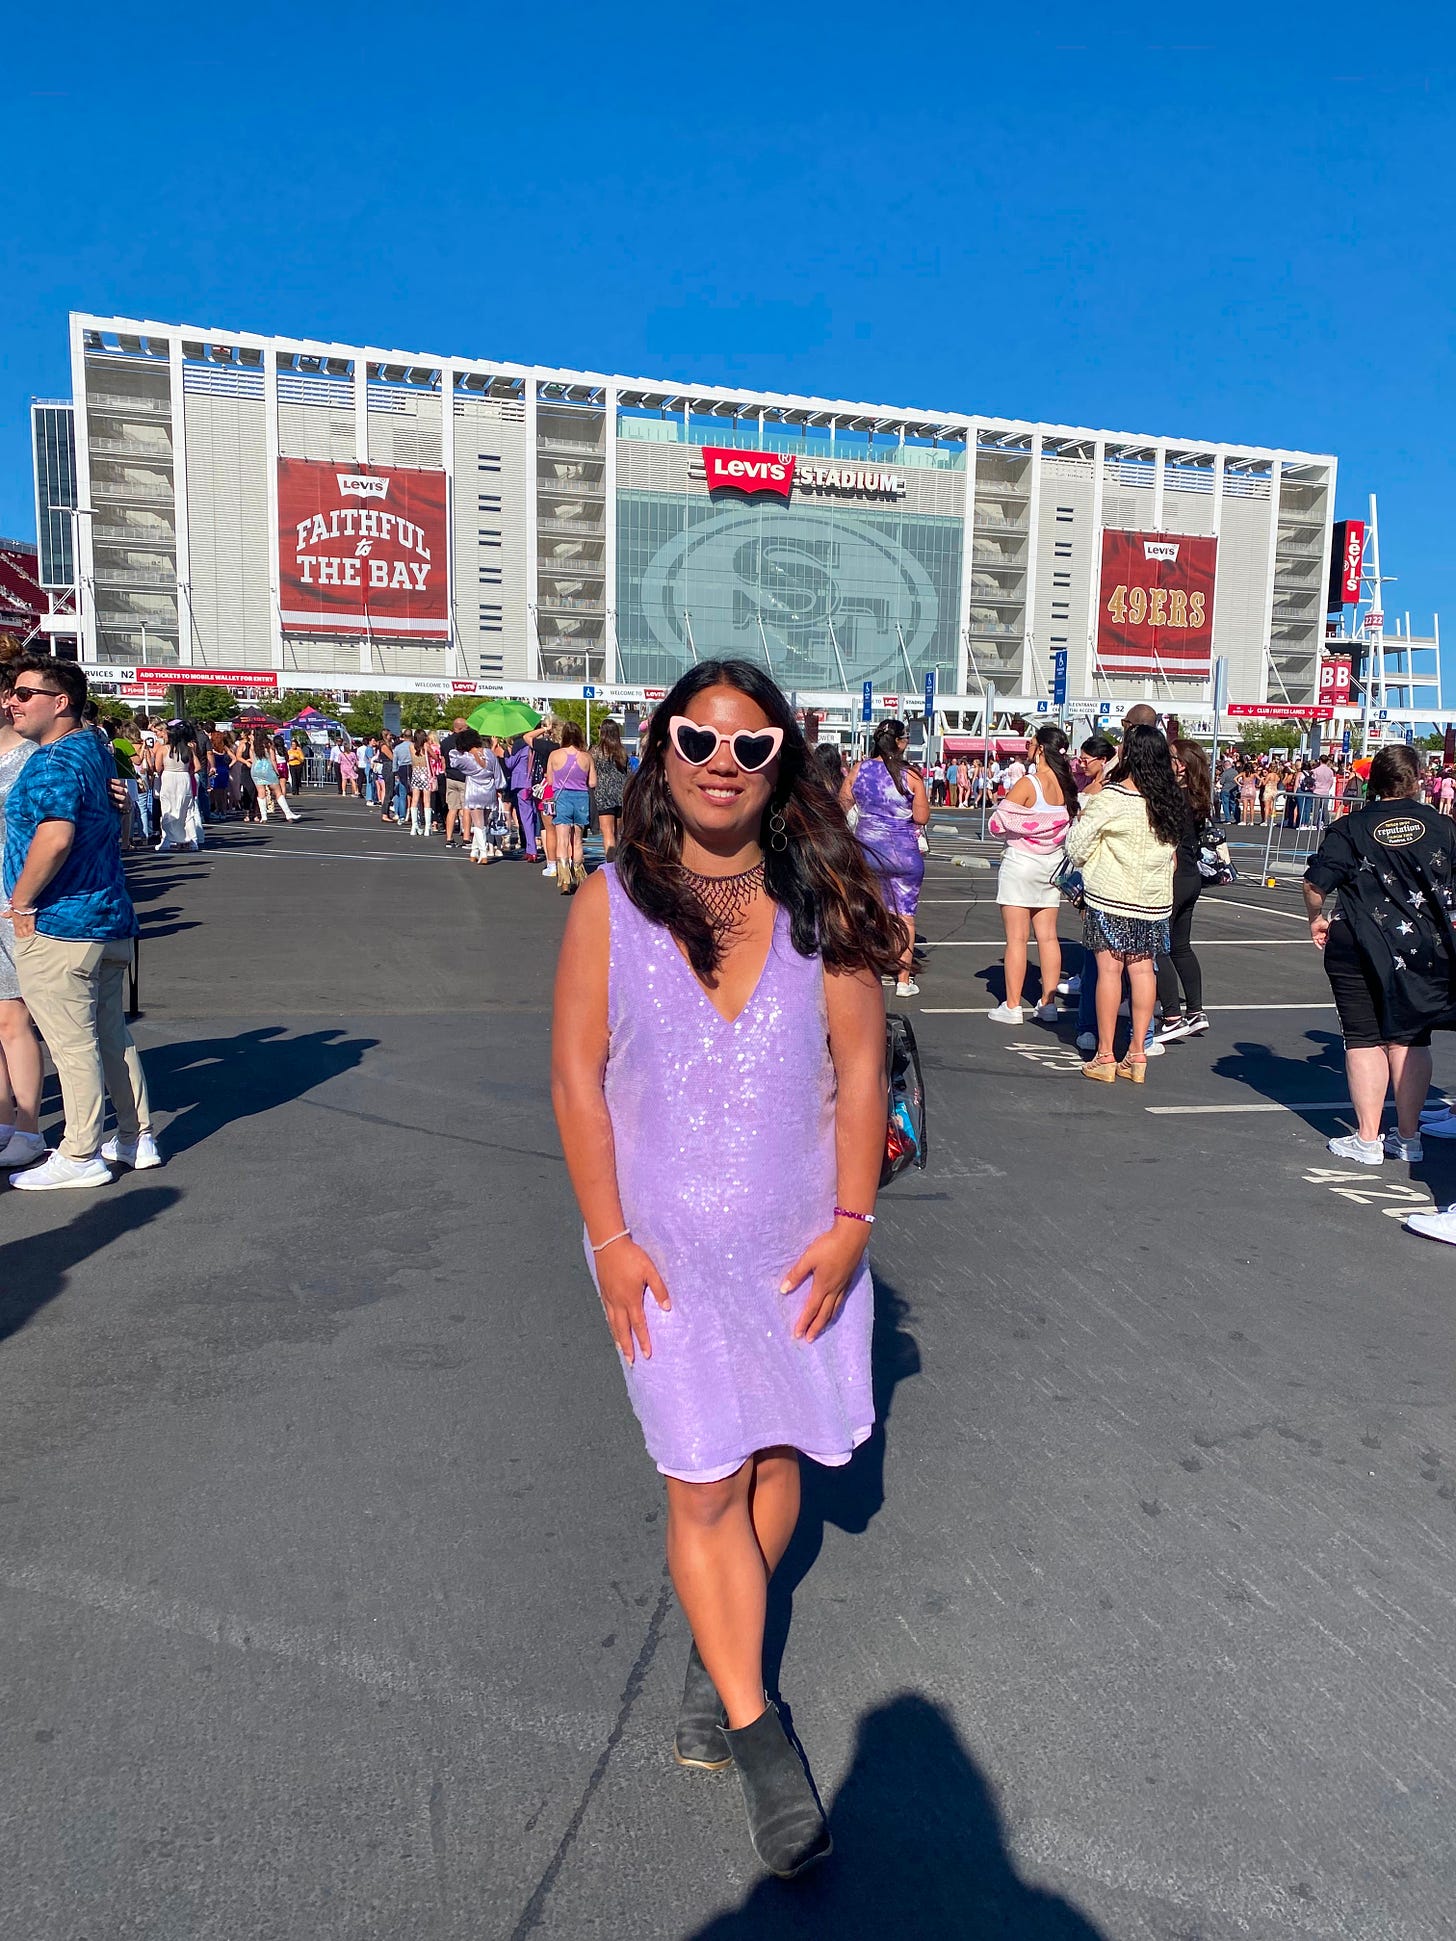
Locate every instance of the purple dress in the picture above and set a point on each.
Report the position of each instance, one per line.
(724, 1138)
(889, 837)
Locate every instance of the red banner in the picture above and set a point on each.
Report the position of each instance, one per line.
(748, 471)
(1156, 604)
(1334, 682)
(250, 677)
(1347, 552)
(363, 549)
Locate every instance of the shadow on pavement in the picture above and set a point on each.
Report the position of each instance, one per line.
(212, 1082)
(1319, 1075)
(33, 1271)
(919, 1851)
(850, 1497)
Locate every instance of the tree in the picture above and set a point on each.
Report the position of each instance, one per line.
(1258, 737)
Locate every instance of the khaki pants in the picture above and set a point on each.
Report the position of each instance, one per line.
(73, 990)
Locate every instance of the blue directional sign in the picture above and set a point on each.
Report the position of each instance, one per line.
(1059, 677)
(867, 702)
(1346, 742)
(588, 694)
(930, 698)
(1410, 735)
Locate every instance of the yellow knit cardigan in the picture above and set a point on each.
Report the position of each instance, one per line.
(1125, 869)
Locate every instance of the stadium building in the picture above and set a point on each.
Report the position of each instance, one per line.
(273, 511)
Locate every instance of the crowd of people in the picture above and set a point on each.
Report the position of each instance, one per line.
(534, 794)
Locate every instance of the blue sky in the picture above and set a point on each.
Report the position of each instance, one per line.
(1229, 222)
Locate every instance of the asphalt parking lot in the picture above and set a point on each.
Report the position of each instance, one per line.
(331, 1562)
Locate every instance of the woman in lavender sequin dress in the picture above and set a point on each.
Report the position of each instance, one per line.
(718, 1072)
(892, 809)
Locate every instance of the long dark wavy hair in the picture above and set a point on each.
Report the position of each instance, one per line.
(1150, 767)
(1052, 746)
(820, 876)
(1197, 778)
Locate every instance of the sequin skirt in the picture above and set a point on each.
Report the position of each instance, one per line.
(1130, 938)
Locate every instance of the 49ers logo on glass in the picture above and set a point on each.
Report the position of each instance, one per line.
(1157, 604)
(362, 549)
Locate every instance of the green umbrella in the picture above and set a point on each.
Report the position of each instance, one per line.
(504, 718)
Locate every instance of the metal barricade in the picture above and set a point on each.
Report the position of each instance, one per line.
(1288, 845)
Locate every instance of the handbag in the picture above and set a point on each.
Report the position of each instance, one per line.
(905, 1138)
(1068, 881)
(1215, 865)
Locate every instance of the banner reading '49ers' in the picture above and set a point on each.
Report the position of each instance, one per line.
(363, 549)
(1156, 604)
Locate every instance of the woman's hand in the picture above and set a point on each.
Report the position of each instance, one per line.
(833, 1261)
(624, 1274)
(1319, 931)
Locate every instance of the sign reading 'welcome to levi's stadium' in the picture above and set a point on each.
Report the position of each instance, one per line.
(363, 549)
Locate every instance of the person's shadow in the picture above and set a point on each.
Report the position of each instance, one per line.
(213, 1082)
(848, 1497)
(35, 1269)
(1323, 1072)
(919, 1851)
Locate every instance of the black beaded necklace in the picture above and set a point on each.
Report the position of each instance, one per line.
(725, 899)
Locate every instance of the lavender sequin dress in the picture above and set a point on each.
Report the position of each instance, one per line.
(889, 837)
(724, 1139)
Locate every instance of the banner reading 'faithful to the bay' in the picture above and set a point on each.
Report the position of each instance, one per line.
(1156, 604)
(363, 549)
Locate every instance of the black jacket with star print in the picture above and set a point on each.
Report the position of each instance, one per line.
(1393, 864)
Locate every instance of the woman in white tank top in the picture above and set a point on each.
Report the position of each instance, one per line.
(1034, 819)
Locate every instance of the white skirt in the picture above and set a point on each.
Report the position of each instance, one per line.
(1025, 879)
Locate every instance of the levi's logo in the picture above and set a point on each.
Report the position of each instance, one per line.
(1160, 549)
(748, 471)
(361, 486)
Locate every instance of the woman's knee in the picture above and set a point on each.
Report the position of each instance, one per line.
(706, 1505)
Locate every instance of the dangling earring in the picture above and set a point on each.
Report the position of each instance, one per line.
(777, 834)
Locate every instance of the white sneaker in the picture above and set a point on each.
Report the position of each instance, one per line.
(1070, 987)
(140, 1153)
(912, 989)
(1435, 1226)
(1006, 1014)
(1365, 1152)
(1152, 1049)
(1086, 1041)
(1045, 1013)
(22, 1148)
(550, 870)
(58, 1170)
(1407, 1149)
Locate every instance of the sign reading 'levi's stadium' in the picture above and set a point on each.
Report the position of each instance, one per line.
(363, 549)
(1156, 604)
(779, 473)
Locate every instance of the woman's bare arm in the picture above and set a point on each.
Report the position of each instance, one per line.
(856, 1010)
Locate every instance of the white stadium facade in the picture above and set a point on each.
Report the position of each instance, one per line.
(274, 512)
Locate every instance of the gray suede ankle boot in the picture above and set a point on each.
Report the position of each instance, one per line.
(784, 1821)
(699, 1739)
